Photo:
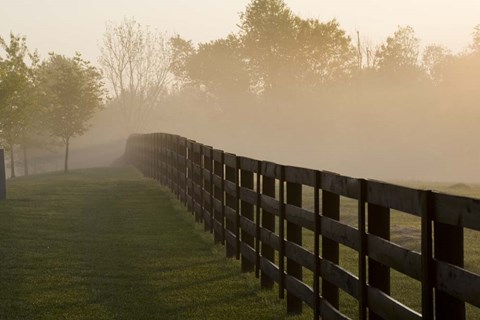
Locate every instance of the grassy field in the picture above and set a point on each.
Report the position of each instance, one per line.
(109, 244)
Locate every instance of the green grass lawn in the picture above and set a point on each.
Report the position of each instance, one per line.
(109, 244)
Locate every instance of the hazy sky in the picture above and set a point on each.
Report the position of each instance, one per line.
(67, 26)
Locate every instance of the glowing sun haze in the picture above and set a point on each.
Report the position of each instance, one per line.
(67, 26)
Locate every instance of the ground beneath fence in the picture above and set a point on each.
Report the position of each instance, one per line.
(108, 244)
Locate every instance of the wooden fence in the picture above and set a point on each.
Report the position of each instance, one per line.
(236, 199)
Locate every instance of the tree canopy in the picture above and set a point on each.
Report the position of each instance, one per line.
(73, 92)
(273, 53)
(400, 52)
(17, 93)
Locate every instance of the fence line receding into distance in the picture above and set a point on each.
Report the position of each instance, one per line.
(255, 208)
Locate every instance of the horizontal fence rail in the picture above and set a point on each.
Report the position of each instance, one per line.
(255, 209)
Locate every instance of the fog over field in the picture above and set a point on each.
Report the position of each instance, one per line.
(368, 90)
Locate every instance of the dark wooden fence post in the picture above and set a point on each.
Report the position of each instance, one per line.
(330, 248)
(219, 219)
(257, 218)
(3, 181)
(231, 175)
(147, 156)
(156, 156)
(448, 246)
(181, 168)
(207, 183)
(153, 155)
(138, 152)
(175, 166)
(294, 235)
(184, 169)
(362, 252)
(160, 159)
(197, 182)
(237, 211)
(151, 161)
(189, 180)
(164, 160)
(151, 148)
(316, 244)
(171, 163)
(142, 154)
(281, 234)
(268, 222)
(378, 273)
(203, 186)
(428, 270)
(246, 181)
(167, 161)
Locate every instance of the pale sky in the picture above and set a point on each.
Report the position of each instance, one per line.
(67, 26)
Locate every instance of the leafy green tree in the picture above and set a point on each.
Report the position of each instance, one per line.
(73, 92)
(17, 93)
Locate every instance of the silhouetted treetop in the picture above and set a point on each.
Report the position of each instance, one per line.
(400, 52)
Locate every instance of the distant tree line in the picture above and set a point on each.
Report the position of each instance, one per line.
(44, 103)
(277, 67)
(276, 53)
(278, 62)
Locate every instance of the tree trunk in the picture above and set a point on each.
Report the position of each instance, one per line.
(12, 162)
(67, 144)
(25, 161)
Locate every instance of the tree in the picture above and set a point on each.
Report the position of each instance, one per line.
(284, 51)
(325, 53)
(17, 93)
(400, 52)
(73, 92)
(459, 85)
(268, 37)
(136, 63)
(182, 51)
(476, 39)
(220, 68)
(434, 59)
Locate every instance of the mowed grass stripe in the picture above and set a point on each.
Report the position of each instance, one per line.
(108, 244)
